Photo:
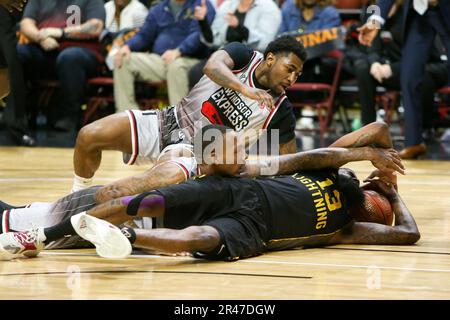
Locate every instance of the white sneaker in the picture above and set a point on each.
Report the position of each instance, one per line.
(23, 244)
(107, 238)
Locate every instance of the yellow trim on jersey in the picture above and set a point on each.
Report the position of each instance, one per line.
(307, 237)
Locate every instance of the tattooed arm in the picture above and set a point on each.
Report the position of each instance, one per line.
(218, 69)
(404, 232)
(375, 134)
(288, 147)
(91, 29)
(161, 175)
(336, 157)
(13, 5)
(383, 159)
(88, 30)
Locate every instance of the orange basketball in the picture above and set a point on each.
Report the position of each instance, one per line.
(376, 208)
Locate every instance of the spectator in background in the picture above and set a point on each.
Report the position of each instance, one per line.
(171, 34)
(423, 20)
(122, 14)
(63, 40)
(253, 22)
(15, 115)
(308, 15)
(304, 16)
(382, 67)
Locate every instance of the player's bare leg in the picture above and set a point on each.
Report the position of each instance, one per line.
(109, 133)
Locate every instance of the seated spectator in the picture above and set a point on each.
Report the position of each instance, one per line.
(165, 48)
(14, 116)
(63, 42)
(307, 16)
(123, 14)
(381, 67)
(253, 22)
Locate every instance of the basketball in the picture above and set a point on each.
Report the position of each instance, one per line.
(376, 208)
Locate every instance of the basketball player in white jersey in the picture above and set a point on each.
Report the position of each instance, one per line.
(242, 89)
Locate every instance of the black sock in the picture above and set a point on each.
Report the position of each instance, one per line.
(7, 206)
(129, 233)
(58, 231)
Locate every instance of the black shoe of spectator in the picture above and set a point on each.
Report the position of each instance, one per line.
(65, 125)
(429, 134)
(22, 138)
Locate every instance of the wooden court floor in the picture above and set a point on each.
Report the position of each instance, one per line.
(421, 271)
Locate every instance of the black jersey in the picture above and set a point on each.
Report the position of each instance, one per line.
(306, 208)
(256, 215)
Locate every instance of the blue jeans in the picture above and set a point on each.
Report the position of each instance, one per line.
(71, 67)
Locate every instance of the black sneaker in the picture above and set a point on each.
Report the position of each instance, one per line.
(21, 138)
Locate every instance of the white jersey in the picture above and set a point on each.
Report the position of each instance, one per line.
(224, 106)
(188, 164)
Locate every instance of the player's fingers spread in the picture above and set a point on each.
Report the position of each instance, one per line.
(398, 161)
(269, 101)
(398, 168)
(394, 153)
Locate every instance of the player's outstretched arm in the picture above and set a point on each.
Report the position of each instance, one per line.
(161, 175)
(375, 134)
(404, 232)
(351, 147)
(383, 159)
(288, 147)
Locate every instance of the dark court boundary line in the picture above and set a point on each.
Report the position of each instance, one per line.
(145, 271)
(387, 250)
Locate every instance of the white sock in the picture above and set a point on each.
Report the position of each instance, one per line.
(80, 183)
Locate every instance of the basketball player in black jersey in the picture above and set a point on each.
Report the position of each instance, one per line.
(375, 134)
(232, 218)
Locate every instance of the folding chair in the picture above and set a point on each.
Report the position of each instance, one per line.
(104, 94)
(324, 108)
